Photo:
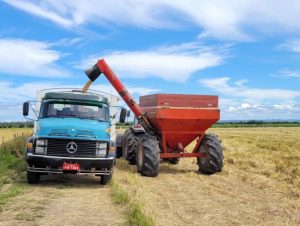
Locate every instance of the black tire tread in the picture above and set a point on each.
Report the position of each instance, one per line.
(105, 179)
(151, 153)
(131, 143)
(213, 162)
(118, 152)
(33, 177)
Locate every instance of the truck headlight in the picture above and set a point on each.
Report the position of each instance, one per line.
(41, 147)
(101, 149)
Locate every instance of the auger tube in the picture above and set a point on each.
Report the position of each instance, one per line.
(102, 67)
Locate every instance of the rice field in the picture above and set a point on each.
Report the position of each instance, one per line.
(7, 134)
(259, 185)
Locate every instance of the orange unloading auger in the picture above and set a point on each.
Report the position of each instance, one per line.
(102, 67)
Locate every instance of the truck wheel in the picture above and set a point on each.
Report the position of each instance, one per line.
(119, 144)
(130, 143)
(119, 152)
(104, 179)
(148, 156)
(213, 161)
(32, 177)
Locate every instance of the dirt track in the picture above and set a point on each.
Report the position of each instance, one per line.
(64, 200)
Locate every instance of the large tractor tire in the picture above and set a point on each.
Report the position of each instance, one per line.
(130, 144)
(148, 156)
(33, 177)
(213, 160)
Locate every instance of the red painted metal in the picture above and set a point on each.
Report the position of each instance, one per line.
(180, 119)
(117, 84)
(179, 100)
(182, 154)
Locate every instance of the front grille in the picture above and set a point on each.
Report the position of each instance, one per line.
(58, 147)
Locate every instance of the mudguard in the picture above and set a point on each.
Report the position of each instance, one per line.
(138, 129)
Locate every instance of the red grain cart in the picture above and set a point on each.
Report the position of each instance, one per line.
(168, 123)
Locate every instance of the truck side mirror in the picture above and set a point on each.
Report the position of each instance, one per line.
(25, 108)
(123, 115)
(128, 114)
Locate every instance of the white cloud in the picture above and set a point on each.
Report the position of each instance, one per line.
(287, 73)
(40, 9)
(245, 105)
(241, 102)
(292, 45)
(31, 58)
(172, 63)
(246, 111)
(255, 95)
(68, 41)
(216, 18)
(288, 107)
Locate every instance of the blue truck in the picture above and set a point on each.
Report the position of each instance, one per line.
(72, 134)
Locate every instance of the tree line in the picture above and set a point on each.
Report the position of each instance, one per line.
(16, 124)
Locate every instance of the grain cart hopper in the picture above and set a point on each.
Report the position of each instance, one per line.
(167, 124)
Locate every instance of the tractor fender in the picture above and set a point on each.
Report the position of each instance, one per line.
(138, 129)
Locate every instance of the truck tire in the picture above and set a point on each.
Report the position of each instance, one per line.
(130, 144)
(213, 161)
(148, 156)
(32, 177)
(105, 179)
(119, 145)
(119, 153)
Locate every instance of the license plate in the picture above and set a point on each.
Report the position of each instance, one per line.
(71, 166)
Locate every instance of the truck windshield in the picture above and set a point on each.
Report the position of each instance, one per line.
(75, 110)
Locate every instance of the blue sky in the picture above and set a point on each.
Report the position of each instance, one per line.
(247, 52)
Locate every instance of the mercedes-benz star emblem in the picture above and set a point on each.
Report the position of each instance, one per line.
(71, 147)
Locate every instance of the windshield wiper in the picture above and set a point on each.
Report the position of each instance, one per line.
(100, 120)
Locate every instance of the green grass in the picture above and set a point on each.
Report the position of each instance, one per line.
(14, 190)
(135, 215)
(12, 168)
(119, 195)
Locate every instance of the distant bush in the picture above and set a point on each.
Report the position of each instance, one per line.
(16, 124)
(256, 123)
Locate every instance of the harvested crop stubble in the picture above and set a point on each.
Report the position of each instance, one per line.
(258, 185)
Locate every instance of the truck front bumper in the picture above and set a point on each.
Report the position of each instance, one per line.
(53, 164)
